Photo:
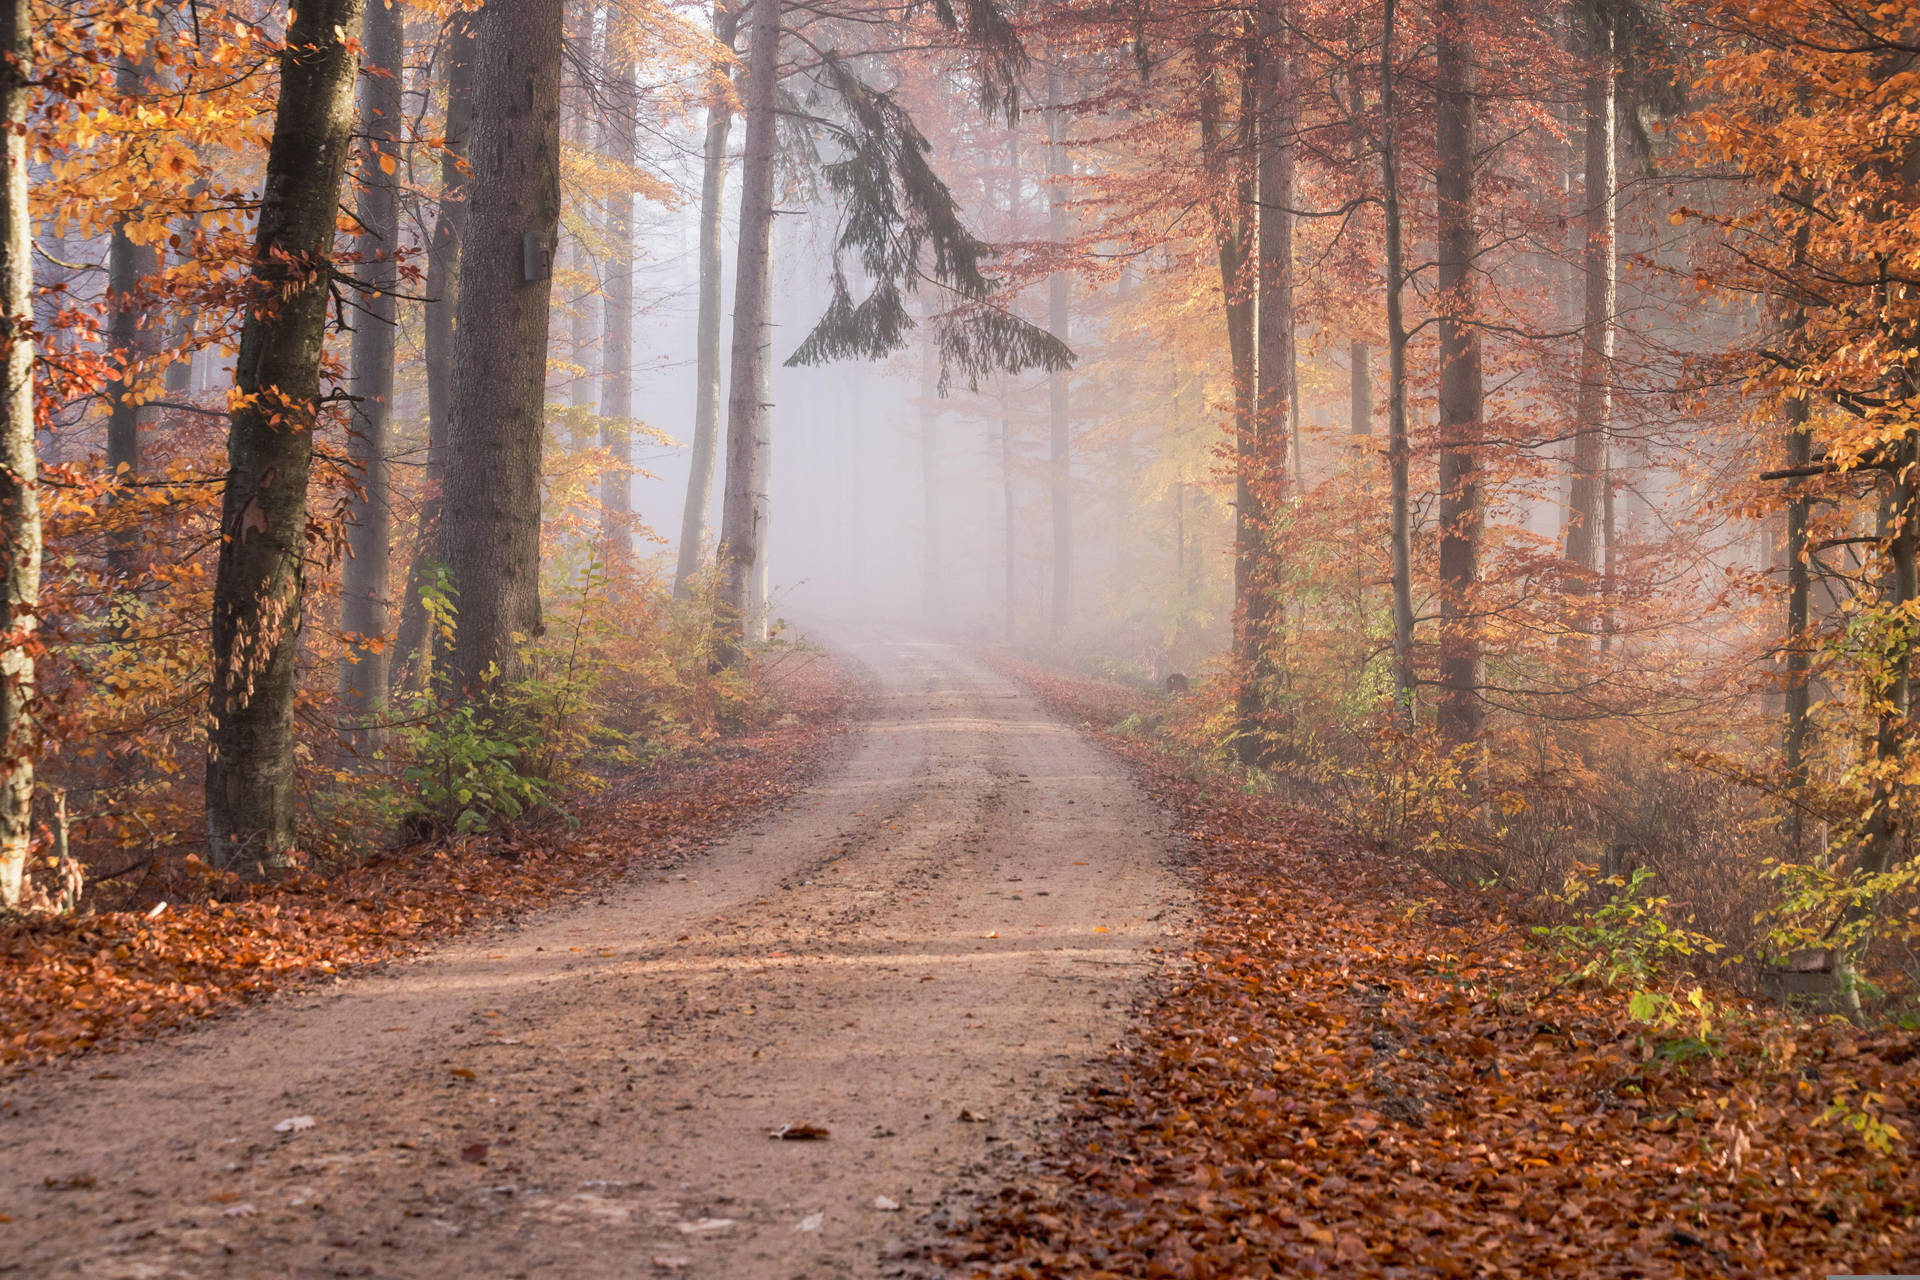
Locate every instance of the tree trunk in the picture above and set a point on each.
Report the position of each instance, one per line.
(1799, 692)
(134, 341)
(259, 584)
(1262, 461)
(1232, 228)
(616, 351)
(364, 585)
(1583, 541)
(706, 411)
(932, 588)
(19, 467)
(1008, 530)
(1399, 450)
(413, 645)
(751, 337)
(1060, 458)
(1459, 715)
(490, 531)
(759, 608)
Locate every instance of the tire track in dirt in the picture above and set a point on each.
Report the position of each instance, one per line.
(951, 920)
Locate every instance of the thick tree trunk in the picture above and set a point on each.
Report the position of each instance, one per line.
(19, 466)
(751, 338)
(259, 584)
(1263, 454)
(413, 644)
(1459, 715)
(616, 350)
(1399, 449)
(1060, 456)
(1585, 505)
(706, 410)
(490, 526)
(364, 585)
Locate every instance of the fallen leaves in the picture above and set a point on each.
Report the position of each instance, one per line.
(799, 1133)
(74, 983)
(1335, 1085)
(294, 1124)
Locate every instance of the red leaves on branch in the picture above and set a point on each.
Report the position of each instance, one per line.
(1361, 1071)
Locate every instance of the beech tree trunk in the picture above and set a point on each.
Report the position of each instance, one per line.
(751, 336)
(491, 522)
(932, 589)
(1263, 450)
(616, 350)
(1399, 449)
(1594, 425)
(706, 410)
(258, 589)
(413, 644)
(19, 466)
(134, 341)
(1234, 226)
(1459, 715)
(1060, 458)
(364, 585)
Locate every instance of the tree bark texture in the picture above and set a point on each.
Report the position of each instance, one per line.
(751, 338)
(1399, 449)
(260, 580)
(1459, 714)
(413, 644)
(616, 350)
(365, 579)
(134, 340)
(490, 526)
(1594, 407)
(1059, 433)
(19, 465)
(706, 410)
(1263, 450)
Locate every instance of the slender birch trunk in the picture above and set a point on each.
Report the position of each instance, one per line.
(706, 412)
(364, 586)
(259, 584)
(751, 339)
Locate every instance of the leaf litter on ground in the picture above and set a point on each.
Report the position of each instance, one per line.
(1331, 1084)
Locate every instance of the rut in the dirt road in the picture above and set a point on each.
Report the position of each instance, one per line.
(915, 956)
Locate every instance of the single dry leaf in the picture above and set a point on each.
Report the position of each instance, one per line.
(799, 1133)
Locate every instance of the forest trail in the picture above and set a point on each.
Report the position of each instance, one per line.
(949, 922)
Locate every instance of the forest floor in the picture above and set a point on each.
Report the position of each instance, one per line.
(1360, 1069)
(903, 968)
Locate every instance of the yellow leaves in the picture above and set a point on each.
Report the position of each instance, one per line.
(387, 164)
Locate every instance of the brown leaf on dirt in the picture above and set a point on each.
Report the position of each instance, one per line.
(474, 1153)
(799, 1133)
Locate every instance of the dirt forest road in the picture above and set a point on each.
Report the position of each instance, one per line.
(917, 955)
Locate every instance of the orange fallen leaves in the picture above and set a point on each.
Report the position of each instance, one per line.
(1333, 1086)
(71, 984)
